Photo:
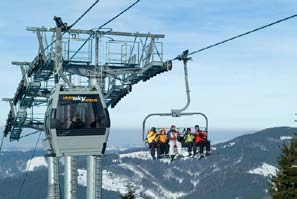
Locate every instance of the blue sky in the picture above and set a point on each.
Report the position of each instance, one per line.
(248, 83)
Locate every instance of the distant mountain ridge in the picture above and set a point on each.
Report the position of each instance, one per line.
(239, 168)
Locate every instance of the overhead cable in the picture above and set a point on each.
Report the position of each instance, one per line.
(107, 22)
(29, 134)
(243, 34)
(84, 13)
(2, 141)
(27, 172)
(128, 8)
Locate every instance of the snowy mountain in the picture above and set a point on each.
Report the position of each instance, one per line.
(240, 168)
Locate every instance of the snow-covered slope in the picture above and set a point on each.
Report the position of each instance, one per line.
(265, 170)
(233, 165)
(35, 163)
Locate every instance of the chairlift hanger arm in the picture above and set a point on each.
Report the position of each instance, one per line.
(184, 57)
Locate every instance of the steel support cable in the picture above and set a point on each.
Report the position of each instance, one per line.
(241, 35)
(109, 21)
(1, 144)
(84, 14)
(29, 134)
(27, 172)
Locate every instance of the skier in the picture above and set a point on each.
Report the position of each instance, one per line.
(200, 138)
(164, 147)
(174, 145)
(152, 139)
(189, 138)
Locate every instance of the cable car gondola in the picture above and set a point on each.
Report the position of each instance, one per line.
(77, 122)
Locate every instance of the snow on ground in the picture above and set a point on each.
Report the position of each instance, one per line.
(168, 194)
(133, 169)
(116, 161)
(110, 181)
(195, 174)
(143, 173)
(215, 167)
(118, 183)
(114, 182)
(9, 172)
(116, 148)
(82, 177)
(264, 170)
(195, 183)
(285, 137)
(170, 174)
(228, 145)
(214, 142)
(35, 163)
(150, 194)
(238, 161)
(144, 155)
(166, 160)
(263, 148)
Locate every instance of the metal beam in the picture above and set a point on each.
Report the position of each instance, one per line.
(19, 63)
(66, 80)
(35, 100)
(7, 99)
(41, 47)
(91, 32)
(24, 74)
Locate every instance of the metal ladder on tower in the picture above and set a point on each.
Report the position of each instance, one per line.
(98, 177)
(73, 177)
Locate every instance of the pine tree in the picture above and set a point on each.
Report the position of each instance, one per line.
(131, 192)
(284, 184)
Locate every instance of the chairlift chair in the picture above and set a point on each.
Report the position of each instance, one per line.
(145, 128)
(177, 112)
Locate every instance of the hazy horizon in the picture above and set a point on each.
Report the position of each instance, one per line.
(124, 137)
